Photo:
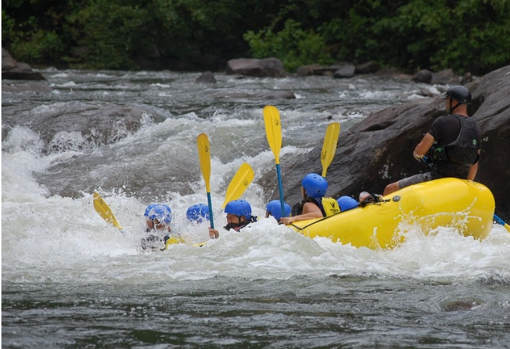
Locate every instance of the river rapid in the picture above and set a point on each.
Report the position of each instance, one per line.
(70, 280)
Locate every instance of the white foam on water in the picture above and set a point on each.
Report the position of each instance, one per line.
(61, 239)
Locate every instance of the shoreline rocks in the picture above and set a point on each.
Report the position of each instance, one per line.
(14, 70)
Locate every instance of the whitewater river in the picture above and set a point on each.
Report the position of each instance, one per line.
(70, 280)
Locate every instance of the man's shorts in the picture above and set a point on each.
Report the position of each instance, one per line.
(419, 178)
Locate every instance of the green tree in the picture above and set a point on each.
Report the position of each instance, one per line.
(107, 34)
(466, 35)
(292, 45)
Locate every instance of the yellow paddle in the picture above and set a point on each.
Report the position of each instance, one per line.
(104, 211)
(236, 188)
(204, 156)
(239, 183)
(274, 138)
(329, 146)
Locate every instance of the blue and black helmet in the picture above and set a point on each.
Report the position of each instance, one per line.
(197, 213)
(275, 208)
(346, 203)
(315, 185)
(239, 208)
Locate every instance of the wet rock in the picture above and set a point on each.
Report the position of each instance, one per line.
(423, 76)
(206, 78)
(307, 70)
(279, 95)
(466, 78)
(460, 306)
(262, 95)
(80, 126)
(28, 87)
(343, 68)
(445, 77)
(369, 67)
(393, 73)
(326, 70)
(347, 71)
(13, 70)
(267, 67)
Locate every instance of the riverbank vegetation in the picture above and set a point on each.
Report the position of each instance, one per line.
(465, 35)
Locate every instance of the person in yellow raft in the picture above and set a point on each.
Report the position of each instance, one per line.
(238, 216)
(451, 147)
(314, 204)
(274, 209)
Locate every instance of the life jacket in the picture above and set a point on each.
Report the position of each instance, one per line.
(328, 206)
(454, 159)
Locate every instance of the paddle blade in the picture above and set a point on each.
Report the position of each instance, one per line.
(273, 130)
(204, 156)
(239, 183)
(104, 211)
(329, 146)
(174, 240)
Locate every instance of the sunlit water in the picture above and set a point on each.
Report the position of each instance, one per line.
(69, 280)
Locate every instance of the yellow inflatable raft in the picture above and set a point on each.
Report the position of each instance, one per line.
(449, 202)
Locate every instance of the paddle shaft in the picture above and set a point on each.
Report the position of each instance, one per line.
(280, 188)
(502, 222)
(210, 209)
(204, 156)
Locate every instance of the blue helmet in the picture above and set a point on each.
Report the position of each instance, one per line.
(346, 203)
(147, 210)
(197, 213)
(161, 212)
(315, 185)
(239, 208)
(275, 208)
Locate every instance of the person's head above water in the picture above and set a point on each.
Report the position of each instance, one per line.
(346, 203)
(274, 208)
(315, 186)
(158, 216)
(197, 213)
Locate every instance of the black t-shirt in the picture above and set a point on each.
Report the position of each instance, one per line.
(457, 142)
(445, 130)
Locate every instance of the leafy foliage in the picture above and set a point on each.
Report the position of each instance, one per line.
(292, 45)
(465, 35)
(111, 37)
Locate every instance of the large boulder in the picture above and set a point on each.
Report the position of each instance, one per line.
(378, 150)
(369, 67)
(206, 78)
(267, 67)
(13, 70)
(346, 71)
(60, 127)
